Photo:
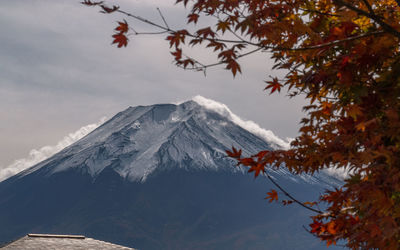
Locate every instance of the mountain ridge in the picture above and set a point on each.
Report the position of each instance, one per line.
(157, 177)
(156, 128)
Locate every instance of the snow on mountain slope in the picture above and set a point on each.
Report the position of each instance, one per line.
(142, 139)
(252, 127)
(37, 155)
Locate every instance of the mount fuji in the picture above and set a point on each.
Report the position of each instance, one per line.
(157, 177)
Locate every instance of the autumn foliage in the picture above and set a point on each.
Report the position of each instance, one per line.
(341, 55)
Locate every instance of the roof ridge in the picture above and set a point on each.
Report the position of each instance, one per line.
(57, 236)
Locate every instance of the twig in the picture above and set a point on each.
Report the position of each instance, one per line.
(205, 66)
(290, 196)
(151, 33)
(162, 16)
(145, 20)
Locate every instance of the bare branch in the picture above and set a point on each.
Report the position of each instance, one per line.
(290, 196)
(202, 66)
(141, 19)
(163, 18)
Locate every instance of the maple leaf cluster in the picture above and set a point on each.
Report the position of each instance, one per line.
(120, 35)
(343, 56)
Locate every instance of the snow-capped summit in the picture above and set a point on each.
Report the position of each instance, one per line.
(139, 140)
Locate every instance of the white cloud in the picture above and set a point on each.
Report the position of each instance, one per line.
(38, 155)
(339, 173)
(222, 109)
(250, 126)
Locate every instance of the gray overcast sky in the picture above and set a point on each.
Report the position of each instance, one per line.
(58, 72)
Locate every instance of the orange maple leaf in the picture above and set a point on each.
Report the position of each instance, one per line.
(273, 195)
(310, 204)
(331, 227)
(360, 126)
(330, 242)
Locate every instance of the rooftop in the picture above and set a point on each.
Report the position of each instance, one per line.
(54, 241)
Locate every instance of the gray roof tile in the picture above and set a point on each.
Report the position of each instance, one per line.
(67, 242)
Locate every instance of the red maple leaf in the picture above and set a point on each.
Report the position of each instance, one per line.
(90, 3)
(122, 27)
(235, 153)
(257, 168)
(193, 18)
(108, 10)
(120, 39)
(233, 66)
(273, 85)
(316, 226)
(287, 202)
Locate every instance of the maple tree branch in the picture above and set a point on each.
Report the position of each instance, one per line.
(168, 29)
(147, 33)
(320, 12)
(234, 33)
(374, 17)
(290, 196)
(202, 66)
(163, 18)
(151, 33)
(333, 42)
(205, 66)
(139, 18)
(369, 7)
(241, 38)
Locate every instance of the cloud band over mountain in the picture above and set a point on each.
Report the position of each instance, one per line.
(250, 126)
(38, 155)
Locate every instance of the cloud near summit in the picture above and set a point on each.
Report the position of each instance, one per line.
(38, 155)
(250, 126)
